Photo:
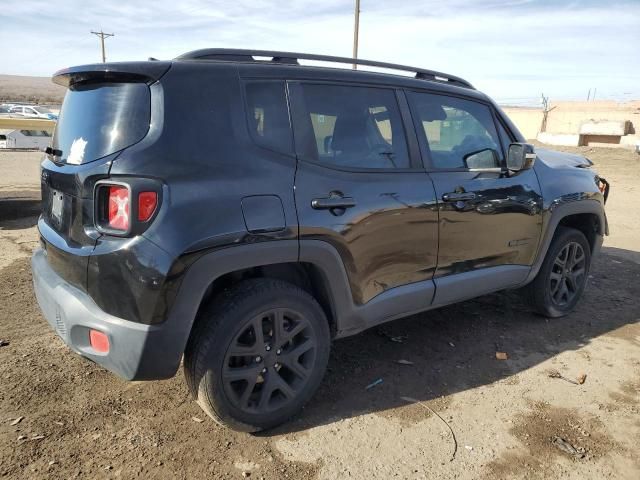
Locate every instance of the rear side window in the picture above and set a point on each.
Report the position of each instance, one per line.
(460, 133)
(268, 115)
(98, 119)
(356, 127)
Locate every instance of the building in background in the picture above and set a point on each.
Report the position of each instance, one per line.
(31, 139)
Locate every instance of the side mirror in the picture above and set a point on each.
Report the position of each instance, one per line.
(521, 157)
(485, 159)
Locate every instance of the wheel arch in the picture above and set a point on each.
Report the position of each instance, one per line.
(321, 275)
(586, 216)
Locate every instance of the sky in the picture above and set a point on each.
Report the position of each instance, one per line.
(514, 50)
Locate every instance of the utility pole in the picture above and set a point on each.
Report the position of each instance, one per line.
(102, 36)
(356, 27)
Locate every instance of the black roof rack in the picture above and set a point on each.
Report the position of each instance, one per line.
(240, 55)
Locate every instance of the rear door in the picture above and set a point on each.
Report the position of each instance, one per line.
(487, 218)
(360, 186)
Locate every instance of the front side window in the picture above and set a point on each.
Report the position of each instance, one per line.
(459, 133)
(356, 127)
(505, 137)
(268, 115)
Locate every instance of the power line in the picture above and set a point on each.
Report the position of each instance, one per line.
(102, 36)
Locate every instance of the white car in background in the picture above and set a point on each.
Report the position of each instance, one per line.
(33, 111)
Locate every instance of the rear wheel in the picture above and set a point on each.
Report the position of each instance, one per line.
(563, 276)
(258, 355)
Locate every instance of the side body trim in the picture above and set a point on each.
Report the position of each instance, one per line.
(463, 286)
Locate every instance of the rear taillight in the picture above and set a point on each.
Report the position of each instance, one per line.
(126, 208)
(119, 208)
(147, 202)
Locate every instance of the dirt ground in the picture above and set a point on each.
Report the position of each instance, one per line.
(63, 417)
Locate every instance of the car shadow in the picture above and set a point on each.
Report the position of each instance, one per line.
(19, 209)
(453, 349)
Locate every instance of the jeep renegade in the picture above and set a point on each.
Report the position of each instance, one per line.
(239, 210)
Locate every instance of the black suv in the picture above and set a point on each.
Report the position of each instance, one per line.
(242, 210)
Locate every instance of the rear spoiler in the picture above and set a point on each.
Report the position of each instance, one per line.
(147, 72)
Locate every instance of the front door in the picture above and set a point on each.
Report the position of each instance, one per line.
(487, 218)
(360, 186)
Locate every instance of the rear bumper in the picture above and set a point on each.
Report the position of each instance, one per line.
(137, 351)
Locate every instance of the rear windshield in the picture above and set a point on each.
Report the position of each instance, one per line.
(98, 119)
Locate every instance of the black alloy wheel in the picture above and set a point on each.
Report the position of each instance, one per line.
(257, 354)
(567, 274)
(562, 278)
(269, 361)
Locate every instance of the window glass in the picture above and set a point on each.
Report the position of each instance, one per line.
(459, 133)
(505, 138)
(98, 119)
(268, 116)
(356, 127)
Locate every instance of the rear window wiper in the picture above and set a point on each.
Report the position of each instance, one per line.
(53, 151)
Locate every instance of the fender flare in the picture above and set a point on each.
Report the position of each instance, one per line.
(553, 217)
(199, 277)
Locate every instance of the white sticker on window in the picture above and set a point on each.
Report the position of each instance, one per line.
(76, 153)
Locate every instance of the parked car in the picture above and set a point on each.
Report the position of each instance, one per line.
(33, 111)
(244, 213)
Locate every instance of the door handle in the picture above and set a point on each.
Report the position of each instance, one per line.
(332, 202)
(458, 197)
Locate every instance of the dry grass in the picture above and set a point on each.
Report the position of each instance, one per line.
(18, 88)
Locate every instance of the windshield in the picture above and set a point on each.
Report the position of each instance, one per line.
(98, 119)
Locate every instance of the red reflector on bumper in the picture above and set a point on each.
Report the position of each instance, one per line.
(99, 341)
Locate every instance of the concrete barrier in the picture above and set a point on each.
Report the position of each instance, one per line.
(566, 139)
(605, 127)
(581, 123)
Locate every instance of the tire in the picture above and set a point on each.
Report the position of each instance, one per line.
(557, 288)
(250, 380)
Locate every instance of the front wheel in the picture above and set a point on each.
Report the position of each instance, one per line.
(563, 276)
(258, 354)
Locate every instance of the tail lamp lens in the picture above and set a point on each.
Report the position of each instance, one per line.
(119, 208)
(125, 209)
(147, 202)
